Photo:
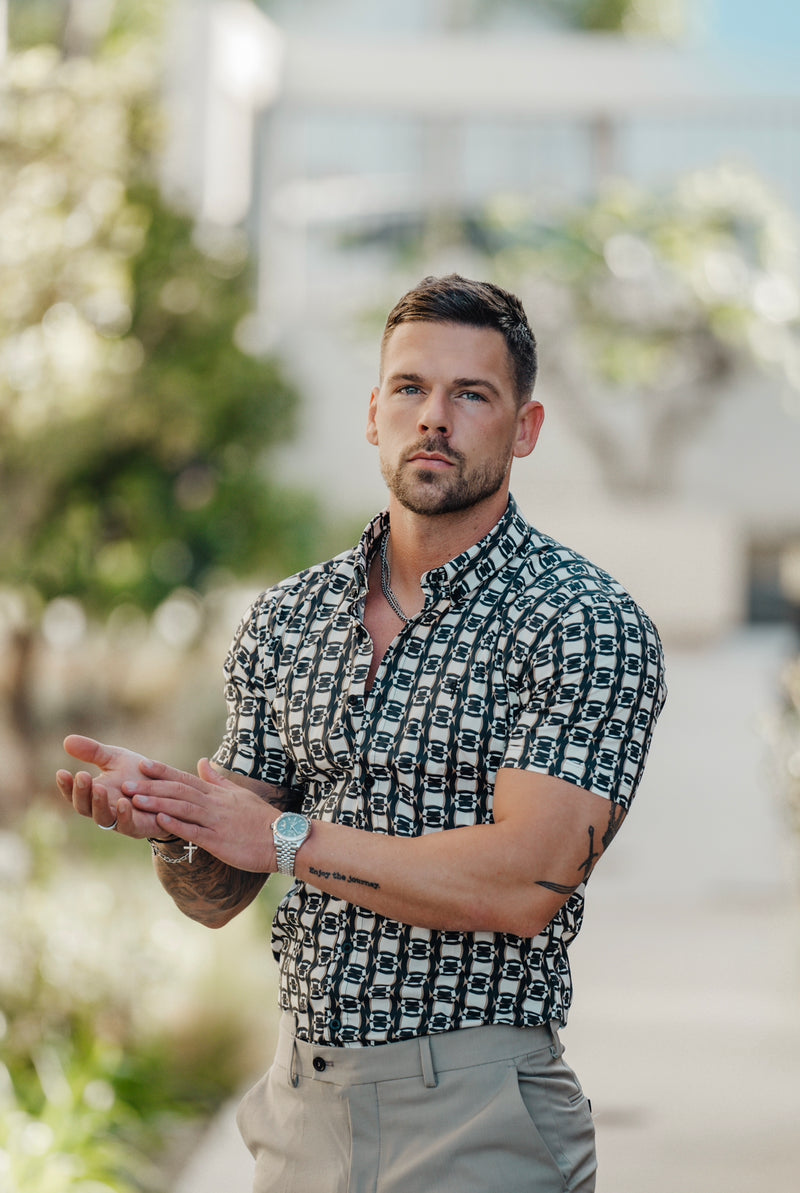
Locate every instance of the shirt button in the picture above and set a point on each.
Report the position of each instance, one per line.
(319, 1064)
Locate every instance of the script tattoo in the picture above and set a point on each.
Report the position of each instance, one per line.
(615, 818)
(337, 876)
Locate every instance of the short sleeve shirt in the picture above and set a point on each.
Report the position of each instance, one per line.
(525, 655)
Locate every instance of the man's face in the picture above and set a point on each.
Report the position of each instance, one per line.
(445, 417)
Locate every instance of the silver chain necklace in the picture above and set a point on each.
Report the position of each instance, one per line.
(386, 580)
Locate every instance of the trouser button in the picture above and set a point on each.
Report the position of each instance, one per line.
(319, 1064)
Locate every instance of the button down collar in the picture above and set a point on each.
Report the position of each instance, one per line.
(470, 570)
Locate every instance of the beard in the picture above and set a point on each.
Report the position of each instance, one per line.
(429, 491)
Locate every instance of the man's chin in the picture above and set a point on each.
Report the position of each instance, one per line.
(430, 500)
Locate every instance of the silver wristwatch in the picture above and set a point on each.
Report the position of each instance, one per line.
(290, 831)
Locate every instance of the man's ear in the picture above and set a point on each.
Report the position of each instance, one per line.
(372, 429)
(529, 424)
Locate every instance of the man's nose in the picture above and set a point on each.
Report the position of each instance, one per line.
(434, 413)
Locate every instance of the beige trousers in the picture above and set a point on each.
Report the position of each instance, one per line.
(477, 1110)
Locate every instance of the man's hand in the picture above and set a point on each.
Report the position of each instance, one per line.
(101, 797)
(226, 819)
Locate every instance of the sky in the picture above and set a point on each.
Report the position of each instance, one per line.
(765, 27)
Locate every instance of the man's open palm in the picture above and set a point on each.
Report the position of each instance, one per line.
(100, 797)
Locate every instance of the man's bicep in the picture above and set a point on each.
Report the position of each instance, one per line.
(564, 829)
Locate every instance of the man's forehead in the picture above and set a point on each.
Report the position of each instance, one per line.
(460, 347)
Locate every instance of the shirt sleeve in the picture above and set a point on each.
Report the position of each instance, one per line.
(595, 688)
(251, 745)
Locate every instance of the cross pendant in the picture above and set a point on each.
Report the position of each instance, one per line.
(191, 850)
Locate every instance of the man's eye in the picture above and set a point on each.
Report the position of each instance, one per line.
(471, 396)
(409, 389)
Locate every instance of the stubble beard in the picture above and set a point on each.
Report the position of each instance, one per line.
(431, 491)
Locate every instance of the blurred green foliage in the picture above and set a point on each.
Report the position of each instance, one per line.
(662, 18)
(134, 430)
(137, 429)
(120, 1029)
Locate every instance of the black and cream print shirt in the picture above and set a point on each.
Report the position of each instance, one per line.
(524, 655)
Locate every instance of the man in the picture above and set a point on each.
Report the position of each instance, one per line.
(461, 709)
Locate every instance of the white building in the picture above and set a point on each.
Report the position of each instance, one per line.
(334, 118)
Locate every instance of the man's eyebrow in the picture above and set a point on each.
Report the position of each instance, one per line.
(457, 382)
(415, 378)
(476, 383)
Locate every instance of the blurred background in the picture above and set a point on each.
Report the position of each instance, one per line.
(207, 209)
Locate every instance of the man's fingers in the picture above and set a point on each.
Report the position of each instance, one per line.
(171, 804)
(86, 749)
(102, 812)
(169, 774)
(64, 783)
(82, 793)
(131, 823)
(209, 774)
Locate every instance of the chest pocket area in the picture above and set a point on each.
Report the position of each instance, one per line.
(311, 706)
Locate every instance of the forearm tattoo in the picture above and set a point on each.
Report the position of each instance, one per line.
(615, 817)
(208, 890)
(337, 876)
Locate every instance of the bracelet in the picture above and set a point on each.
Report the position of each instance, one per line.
(186, 856)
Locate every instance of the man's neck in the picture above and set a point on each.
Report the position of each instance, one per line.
(422, 542)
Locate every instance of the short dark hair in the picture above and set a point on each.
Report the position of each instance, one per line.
(454, 299)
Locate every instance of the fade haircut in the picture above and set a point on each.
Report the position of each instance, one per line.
(453, 299)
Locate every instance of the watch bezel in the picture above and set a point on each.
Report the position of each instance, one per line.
(291, 826)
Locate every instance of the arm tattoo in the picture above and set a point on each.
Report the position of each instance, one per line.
(558, 888)
(208, 890)
(615, 818)
(592, 856)
(211, 891)
(337, 876)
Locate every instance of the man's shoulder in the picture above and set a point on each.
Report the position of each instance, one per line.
(552, 564)
(569, 583)
(332, 576)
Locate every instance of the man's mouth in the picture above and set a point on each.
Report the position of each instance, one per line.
(432, 458)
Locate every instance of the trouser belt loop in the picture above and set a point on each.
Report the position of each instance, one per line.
(426, 1061)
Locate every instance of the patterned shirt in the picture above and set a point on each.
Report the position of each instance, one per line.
(524, 655)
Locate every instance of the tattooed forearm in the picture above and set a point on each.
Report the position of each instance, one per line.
(557, 887)
(337, 876)
(207, 890)
(588, 863)
(615, 818)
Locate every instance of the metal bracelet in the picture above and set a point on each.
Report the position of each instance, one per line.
(187, 856)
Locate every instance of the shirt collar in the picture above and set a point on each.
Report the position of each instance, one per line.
(468, 571)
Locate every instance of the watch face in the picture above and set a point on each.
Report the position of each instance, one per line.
(291, 824)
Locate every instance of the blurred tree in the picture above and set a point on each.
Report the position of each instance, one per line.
(659, 18)
(134, 427)
(648, 303)
(665, 19)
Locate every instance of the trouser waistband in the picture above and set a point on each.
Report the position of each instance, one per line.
(422, 1057)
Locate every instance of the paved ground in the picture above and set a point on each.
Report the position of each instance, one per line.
(686, 1025)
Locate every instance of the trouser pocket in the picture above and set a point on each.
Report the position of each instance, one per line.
(299, 1137)
(557, 1108)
